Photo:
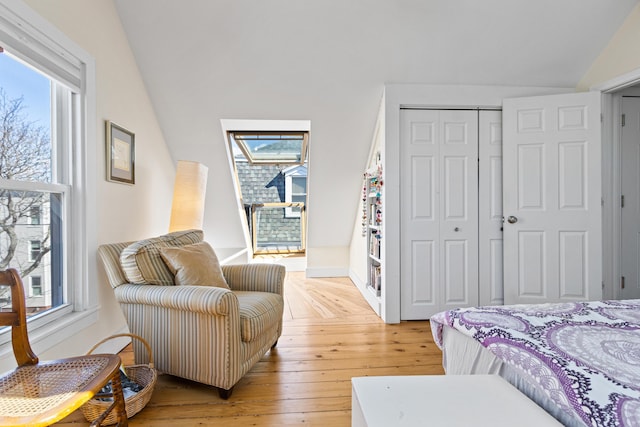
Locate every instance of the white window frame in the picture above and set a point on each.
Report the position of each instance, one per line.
(31, 249)
(37, 218)
(34, 40)
(289, 174)
(31, 280)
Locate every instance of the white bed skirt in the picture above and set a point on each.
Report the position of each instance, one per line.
(462, 355)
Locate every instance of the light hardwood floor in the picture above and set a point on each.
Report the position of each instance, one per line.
(330, 334)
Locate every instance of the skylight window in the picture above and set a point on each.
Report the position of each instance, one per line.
(272, 148)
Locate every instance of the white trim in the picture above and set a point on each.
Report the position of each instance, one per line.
(50, 335)
(612, 90)
(37, 41)
(289, 175)
(44, 187)
(618, 83)
(327, 271)
(229, 125)
(367, 292)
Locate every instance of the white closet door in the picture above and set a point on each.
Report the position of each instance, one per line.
(458, 208)
(551, 198)
(419, 213)
(439, 199)
(490, 208)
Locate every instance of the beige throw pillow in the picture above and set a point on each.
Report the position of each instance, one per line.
(141, 261)
(195, 264)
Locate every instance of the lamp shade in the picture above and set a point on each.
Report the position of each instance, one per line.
(187, 210)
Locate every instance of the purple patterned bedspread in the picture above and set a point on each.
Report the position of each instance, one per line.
(586, 356)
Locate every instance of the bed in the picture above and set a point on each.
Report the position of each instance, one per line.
(579, 361)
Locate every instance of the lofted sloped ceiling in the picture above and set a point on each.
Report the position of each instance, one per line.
(327, 61)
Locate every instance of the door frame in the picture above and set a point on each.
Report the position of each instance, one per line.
(397, 96)
(612, 91)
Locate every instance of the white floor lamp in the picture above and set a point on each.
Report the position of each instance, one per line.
(189, 190)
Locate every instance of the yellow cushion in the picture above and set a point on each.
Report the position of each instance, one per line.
(195, 264)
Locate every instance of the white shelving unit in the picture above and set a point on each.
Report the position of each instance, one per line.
(373, 217)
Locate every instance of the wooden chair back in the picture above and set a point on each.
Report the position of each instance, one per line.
(17, 318)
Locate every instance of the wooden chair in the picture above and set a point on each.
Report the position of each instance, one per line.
(40, 394)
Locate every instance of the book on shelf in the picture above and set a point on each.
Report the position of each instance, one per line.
(375, 278)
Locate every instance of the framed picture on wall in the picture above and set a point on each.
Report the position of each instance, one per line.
(121, 154)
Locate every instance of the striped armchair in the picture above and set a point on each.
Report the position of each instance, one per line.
(207, 334)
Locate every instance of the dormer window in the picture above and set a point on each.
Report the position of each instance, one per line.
(272, 148)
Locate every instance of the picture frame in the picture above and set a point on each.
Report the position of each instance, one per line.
(121, 149)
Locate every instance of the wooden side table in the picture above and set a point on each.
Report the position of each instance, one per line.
(443, 400)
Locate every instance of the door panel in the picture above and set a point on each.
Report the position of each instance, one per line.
(573, 158)
(531, 177)
(456, 279)
(423, 271)
(551, 198)
(573, 268)
(531, 264)
(456, 192)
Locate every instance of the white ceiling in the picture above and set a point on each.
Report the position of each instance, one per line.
(327, 61)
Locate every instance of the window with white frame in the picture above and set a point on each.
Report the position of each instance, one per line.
(36, 286)
(47, 95)
(35, 249)
(295, 188)
(35, 215)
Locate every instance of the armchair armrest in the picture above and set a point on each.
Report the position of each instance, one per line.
(202, 299)
(255, 277)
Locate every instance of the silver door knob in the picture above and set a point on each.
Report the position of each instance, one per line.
(512, 219)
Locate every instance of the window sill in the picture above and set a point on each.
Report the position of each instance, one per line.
(48, 335)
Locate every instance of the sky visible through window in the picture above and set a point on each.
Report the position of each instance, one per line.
(17, 79)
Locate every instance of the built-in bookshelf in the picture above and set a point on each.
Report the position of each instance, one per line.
(373, 227)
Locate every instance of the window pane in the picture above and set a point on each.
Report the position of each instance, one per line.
(25, 122)
(31, 230)
(29, 248)
(272, 147)
(298, 185)
(35, 215)
(36, 286)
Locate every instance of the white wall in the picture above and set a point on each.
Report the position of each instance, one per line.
(358, 250)
(621, 56)
(123, 212)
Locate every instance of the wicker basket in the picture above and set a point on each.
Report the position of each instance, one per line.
(144, 375)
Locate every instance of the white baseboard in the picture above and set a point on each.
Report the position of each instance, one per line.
(327, 272)
(356, 279)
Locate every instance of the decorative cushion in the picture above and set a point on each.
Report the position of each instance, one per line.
(142, 263)
(195, 264)
(259, 311)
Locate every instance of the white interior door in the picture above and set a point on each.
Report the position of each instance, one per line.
(439, 199)
(630, 210)
(551, 198)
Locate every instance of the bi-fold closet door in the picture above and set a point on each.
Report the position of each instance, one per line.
(451, 210)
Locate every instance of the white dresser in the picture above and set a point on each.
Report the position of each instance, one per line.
(442, 400)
